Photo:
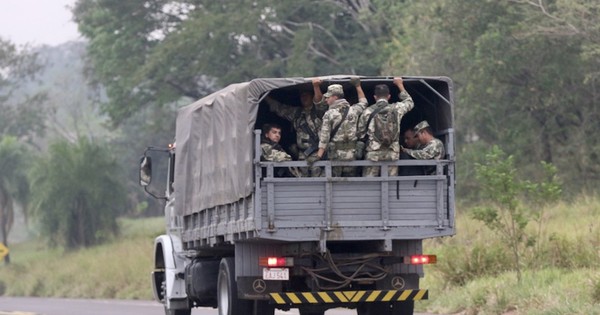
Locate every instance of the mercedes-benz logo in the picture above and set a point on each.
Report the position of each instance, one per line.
(397, 283)
(259, 285)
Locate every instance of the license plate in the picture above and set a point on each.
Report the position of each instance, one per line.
(276, 274)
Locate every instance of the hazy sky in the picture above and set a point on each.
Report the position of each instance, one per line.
(37, 21)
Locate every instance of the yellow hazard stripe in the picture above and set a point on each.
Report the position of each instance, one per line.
(278, 299)
(388, 296)
(404, 295)
(343, 297)
(419, 295)
(309, 297)
(373, 296)
(325, 297)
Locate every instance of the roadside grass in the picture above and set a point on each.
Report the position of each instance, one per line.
(118, 270)
(474, 273)
(542, 292)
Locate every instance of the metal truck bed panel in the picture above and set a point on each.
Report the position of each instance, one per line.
(351, 202)
(299, 210)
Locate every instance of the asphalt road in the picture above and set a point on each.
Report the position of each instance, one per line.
(51, 306)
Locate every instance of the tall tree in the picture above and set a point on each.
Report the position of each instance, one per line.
(77, 194)
(14, 187)
(521, 83)
(22, 115)
(155, 52)
(21, 119)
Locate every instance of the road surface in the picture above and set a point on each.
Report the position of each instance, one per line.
(52, 306)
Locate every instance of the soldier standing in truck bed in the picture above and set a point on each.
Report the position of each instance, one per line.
(379, 127)
(338, 133)
(307, 122)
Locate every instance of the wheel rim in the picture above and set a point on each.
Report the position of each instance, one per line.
(223, 295)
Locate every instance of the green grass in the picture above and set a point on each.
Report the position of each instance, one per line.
(561, 274)
(119, 270)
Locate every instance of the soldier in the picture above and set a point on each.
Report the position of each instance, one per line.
(411, 141)
(307, 122)
(379, 127)
(338, 133)
(432, 148)
(272, 150)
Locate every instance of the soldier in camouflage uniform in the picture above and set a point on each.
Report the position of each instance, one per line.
(340, 144)
(273, 152)
(377, 151)
(411, 141)
(433, 148)
(307, 122)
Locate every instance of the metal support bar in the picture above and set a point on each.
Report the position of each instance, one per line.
(436, 92)
(385, 199)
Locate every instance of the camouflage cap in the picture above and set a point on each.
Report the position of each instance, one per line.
(334, 89)
(422, 125)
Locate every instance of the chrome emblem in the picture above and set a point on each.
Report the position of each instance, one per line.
(259, 285)
(398, 283)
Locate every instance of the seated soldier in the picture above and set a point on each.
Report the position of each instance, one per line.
(431, 147)
(272, 150)
(410, 140)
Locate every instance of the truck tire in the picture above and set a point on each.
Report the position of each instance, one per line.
(170, 311)
(227, 298)
(263, 308)
(177, 312)
(399, 308)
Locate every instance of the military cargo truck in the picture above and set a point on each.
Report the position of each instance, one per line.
(246, 241)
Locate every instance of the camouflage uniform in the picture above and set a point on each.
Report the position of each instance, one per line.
(433, 150)
(305, 122)
(273, 152)
(375, 152)
(342, 146)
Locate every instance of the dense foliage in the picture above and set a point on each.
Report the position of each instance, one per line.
(21, 119)
(77, 194)
(155, 52)
(526, 72)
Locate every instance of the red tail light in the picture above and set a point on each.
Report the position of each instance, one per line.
(273, 262)
(420, 259)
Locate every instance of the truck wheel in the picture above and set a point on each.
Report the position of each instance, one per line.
(177, 312)
(227, 298)
(168, 311)
(263, 308)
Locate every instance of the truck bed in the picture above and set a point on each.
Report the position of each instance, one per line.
(325, 209)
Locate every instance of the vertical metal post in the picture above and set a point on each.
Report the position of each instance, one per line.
(257, 184)
(385, 198)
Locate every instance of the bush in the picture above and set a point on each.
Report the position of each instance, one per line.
(459, 265)
(562, 252)
(596, 292)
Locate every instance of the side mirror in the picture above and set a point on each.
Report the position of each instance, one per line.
(145, 171)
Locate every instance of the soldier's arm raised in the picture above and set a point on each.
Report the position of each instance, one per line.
(318, 97)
